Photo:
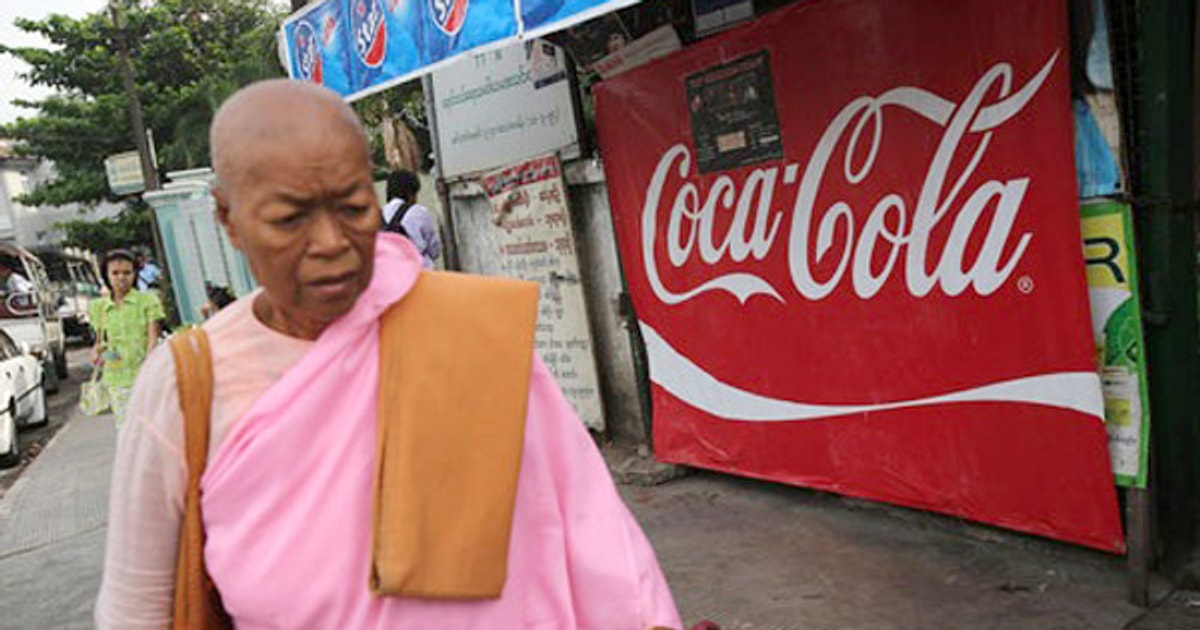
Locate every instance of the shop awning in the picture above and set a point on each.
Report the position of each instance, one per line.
(357, 47)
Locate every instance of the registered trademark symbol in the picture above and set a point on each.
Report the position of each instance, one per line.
(1025, 285)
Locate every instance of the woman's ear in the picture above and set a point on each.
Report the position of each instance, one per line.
(221, 197)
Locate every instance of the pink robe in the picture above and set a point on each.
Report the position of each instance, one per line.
(287, 504)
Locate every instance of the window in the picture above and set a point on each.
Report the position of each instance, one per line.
(8, 349)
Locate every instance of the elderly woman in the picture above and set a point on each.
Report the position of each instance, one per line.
(127, 329)
(291, 486)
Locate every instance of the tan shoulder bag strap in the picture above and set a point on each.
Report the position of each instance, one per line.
(197, 604)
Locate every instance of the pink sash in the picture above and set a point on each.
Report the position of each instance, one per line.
(287, 504)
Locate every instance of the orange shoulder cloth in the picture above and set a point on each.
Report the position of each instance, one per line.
(455, 361)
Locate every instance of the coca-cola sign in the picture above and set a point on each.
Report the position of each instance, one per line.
(895, 309)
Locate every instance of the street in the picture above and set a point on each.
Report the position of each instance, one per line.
(747, 554)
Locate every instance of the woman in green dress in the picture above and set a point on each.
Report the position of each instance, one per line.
(126, 323)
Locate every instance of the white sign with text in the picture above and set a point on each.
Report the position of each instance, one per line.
(503, 105)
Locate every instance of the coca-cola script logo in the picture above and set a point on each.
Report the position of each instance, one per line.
(757, 228)
(891, 232)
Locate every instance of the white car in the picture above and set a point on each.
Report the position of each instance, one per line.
(31, 317)
(22, 397)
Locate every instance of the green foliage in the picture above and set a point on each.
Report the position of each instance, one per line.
(188, 56)
(132, 227)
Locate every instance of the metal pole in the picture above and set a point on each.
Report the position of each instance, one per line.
(1163, 183)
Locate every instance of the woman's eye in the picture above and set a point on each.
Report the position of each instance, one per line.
(355, 210)
(290, 220)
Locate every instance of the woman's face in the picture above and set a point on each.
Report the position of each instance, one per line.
(120, 276)
(306, 218)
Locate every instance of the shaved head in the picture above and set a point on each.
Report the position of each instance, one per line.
(275, 112)
(294, 193)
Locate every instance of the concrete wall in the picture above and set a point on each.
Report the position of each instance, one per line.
(602, 282)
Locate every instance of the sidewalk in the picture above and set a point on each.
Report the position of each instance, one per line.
(52, 530)
(759, 556)
(747, 554)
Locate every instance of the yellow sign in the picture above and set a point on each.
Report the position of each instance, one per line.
(1104, 241)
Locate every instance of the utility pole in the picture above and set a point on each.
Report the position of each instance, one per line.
(136, 120)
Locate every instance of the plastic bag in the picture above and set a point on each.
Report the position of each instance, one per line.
(93, 397)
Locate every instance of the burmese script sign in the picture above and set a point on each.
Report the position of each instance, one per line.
(887, 298)
(533, 232)
(492, 110)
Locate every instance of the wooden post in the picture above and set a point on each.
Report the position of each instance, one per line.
(1137, 537)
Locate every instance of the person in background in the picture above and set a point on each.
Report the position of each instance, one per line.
(127, 328)
(218, 298)
(13, 281)
(148, 273)
(403, 215)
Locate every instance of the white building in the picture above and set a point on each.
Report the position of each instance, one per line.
(31, 226)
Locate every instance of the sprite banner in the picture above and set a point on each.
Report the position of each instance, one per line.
(1117, 323)
(357, 47)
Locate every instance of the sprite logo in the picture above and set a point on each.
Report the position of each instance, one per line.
(449, 15)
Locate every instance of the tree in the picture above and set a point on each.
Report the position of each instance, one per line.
(397, 128)
(130, 227)
(188, 56)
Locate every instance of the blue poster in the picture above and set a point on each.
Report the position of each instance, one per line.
(356, 47)
(394, 39)
(317, 46)
(542, 17)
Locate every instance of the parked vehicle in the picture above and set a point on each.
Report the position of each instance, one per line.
(75, 282)
(31, 317)
(22, 397)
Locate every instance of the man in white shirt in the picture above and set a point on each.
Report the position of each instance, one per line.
(13, 281)
(404, 215)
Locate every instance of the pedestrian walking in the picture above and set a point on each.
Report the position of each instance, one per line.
(384, 448)
(403, 215)
(127, 329)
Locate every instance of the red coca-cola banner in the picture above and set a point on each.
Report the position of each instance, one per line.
(851, 236)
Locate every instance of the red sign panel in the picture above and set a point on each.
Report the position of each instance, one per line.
(851, 235)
